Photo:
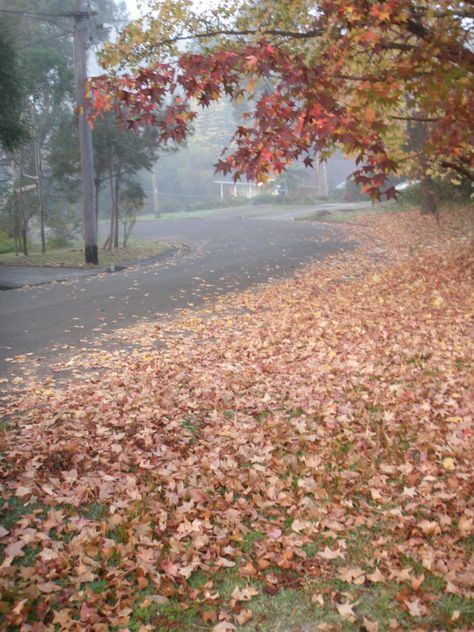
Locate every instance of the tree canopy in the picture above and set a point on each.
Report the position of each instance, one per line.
(351, 75)
(12, 131)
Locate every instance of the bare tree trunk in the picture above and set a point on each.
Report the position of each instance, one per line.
(97, 194)
(117, 210)
(14, 210)
(24, 222)
(127, 230)
(110, 238)
(154, 187)
(39, 175)
(322, 177)
(418, 136)
(429, 205)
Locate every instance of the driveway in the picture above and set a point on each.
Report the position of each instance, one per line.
(224, 254)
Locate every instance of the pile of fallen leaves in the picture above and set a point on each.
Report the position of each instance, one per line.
(258, 439)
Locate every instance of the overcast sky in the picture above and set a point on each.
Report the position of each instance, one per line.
(132, 7)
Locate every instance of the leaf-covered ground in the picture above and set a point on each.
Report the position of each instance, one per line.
(294, 458)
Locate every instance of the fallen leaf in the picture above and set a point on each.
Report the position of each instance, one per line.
(209, 616)
(376, 577)
(329, 554)
(160, 600)
(346, 611)
(370, 626)
(449, 464)
(417, 581)
(223, 626)
(244, 594)
(414, 608)
(274, 533)
(225, 563)
(49, 587)
(15, 549)
(465, 525)
(244, 617)
(317, 598)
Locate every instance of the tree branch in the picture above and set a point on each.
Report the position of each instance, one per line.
(455, 167)
(236, 33)
(422, 119)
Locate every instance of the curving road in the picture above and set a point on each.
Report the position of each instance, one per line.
(224, 254)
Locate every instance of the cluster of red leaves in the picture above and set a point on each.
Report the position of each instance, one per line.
(338, 401)
(299, 117)
(347, 76)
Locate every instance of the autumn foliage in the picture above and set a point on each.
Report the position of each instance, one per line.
(263, 440)
(351, 75)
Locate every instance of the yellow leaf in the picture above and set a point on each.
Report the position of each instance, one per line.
(453, 420)
(448, 464)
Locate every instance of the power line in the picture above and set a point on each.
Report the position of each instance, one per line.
(81, 19)
(43, 41)
(38, 14)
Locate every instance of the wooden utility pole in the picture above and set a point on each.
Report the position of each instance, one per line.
(81, 18)
(81, 23)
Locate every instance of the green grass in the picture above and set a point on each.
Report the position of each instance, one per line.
(243, 210)
(291, 608)
(343, 215)
(73, 256)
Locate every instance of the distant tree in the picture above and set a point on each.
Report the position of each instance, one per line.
(131, 202)
(12, 132)
(37, 104)
(119, 154)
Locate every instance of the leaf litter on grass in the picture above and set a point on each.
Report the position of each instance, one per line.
(308, 444)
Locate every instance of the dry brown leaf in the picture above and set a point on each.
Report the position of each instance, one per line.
(244, 594)
(370, 626)
(223, 626)
(244, 617)
(376, 576)
(346, 611)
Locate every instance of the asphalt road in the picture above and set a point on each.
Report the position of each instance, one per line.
(224, 255)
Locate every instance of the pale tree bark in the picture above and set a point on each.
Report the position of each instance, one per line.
(117, 202)
(39, 177)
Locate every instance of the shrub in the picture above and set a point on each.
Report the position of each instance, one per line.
(6, 243)
(444, 192)
(59, 240)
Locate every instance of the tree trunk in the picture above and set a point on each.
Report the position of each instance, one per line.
(97, 194)
(13, 210)
(110, 238)
(117, 188)
(24, 221)
(24, 241)
(322, 177)
(418, 136)
(429, 205)
(39, 176)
